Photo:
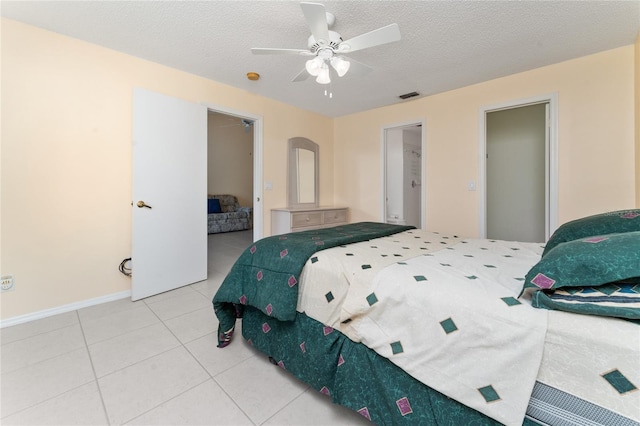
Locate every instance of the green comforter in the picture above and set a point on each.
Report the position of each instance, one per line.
(266, 275)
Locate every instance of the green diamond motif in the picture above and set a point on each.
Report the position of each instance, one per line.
(511, 301)
(314, 259)
(489, 266)
(448, 325)
(420, 278)
(396, 348)
(372, 299)
(329, 297)
(489, 393)
(472, 277)
(366, 266)
(402, 263)
(619, 381)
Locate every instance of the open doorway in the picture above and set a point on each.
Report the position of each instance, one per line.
(403, 174)
(518, 169)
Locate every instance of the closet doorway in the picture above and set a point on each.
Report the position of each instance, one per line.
(518, 167)
(403, 174)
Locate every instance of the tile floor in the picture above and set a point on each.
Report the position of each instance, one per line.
(152, 362)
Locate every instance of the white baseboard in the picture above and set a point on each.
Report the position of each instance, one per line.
(64, 308)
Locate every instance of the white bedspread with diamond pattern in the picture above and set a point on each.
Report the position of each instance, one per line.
(442, 309)
(452, 320)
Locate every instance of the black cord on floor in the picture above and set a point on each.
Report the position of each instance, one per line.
(123, 268)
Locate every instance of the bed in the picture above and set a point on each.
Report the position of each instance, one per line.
(407, 326)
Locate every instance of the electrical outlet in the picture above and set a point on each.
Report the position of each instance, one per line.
(7, 283)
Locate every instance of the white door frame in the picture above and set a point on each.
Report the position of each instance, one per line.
(258, 209)
(423, 162)
(551, 159)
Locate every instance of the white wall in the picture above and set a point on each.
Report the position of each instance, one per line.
(395, 177)
(412, 160)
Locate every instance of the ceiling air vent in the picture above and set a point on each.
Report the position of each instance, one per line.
(409, 95)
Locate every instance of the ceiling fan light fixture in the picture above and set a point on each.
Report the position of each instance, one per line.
(340, 65)
(323, 75)
(314, 66)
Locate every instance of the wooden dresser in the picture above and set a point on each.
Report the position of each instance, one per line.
(294, 220)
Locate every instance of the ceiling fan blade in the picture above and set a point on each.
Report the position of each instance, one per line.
(269, 51)
(316, 17)
(373, 38)
(358, 69)
(301, 76)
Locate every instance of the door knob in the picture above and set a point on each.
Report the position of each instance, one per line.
(142, 204)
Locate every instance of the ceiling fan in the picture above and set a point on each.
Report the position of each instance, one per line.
(328, 48)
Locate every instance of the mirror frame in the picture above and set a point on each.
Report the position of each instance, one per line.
(292, 190)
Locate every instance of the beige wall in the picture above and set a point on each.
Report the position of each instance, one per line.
(230, 158)
(66, 160)
(66, 153)
(596, 142)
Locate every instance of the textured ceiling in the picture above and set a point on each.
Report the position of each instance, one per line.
(445, 44)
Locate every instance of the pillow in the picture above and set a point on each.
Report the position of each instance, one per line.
(591, 261)
(213, 206)
(601, 224)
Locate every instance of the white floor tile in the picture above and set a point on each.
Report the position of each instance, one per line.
(260, 388)
(107, 309)
(313, 408)
(180, 305)
(193, 325)
(163, 297)
(217, 360)
(38, 348)
(210, 286)
(127, 349)
(134, 390)
(205, 404)
(39, 382)
(109, 326)
(78, 407)
(33, 328)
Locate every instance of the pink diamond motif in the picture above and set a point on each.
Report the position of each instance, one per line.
(259, 275)
(303, 348)
(595, 240)
(543, 281)
(266, 328)
(282, 238)
(325, 390)
(243, 300)
(281, 365)
(253, 249)
(319, 243)
(340, 360)
(292, 281)
(327, 330)
(269, 309)
(404, 406)
(364, 412)
(629, 215)
(283, 253)
(250, 342)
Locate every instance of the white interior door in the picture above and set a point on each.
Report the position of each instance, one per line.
(169, 240)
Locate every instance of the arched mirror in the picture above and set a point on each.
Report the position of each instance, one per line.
(303, 173)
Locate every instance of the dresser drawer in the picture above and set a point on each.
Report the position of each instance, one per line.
(335, 216)
(306, 219)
